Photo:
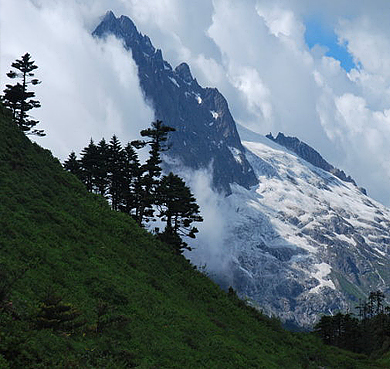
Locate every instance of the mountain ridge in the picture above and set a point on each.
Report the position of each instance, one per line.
(317, 237)
(295, 239)
(205, 129)
(311, 155)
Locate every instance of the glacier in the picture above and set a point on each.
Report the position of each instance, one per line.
(302, 242)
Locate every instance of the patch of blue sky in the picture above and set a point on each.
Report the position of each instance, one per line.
(317, 33)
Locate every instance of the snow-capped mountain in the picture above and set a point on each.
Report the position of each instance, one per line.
(299, 239)
(303, 241)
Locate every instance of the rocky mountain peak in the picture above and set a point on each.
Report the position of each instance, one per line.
(109, 17)
(183, 70)
(301, 239)
(303, 242)
(206, 133)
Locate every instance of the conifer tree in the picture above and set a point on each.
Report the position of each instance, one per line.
(178, 208)
(89, 165)
(139, 189)
(132, 173)
(158, 135)
(56, 315)
(116, 163)
(376, 301)
(102, 167)
(72, 165)
(367, 335)
(18, 99)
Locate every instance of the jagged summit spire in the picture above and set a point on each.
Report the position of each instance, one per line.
(183, 70)
(127, 24)
(205, 129)
(109, 16)
(123, 27)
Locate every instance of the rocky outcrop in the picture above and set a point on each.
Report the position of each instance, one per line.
(206, 133)
(307, 153)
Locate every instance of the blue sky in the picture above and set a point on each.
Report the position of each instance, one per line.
(318, 32)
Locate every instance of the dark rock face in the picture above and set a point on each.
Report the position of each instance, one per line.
(307, 153)
(205, 130)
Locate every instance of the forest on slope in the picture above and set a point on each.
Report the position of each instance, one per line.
(83, 286)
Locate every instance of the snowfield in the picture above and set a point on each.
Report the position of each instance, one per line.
(302, 242)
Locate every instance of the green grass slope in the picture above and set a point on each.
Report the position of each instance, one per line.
(141, 305)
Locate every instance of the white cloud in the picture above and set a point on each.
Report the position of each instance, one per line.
(255, 92)
(352, 112)
(368, 44)
(209, 70)
(281, 68)
(281, 22)
(209, 248)
(253, 51)
(89, 87)
(311, 95)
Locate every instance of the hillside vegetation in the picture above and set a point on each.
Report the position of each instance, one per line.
(82, 286)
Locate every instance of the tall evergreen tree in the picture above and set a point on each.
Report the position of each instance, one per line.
(178, 208)
(376, 299)
(132, 174)
(72, 165)
(102, 167)
(19, 99)
(368, 335)
(89, 165)
(158, 135)
(116, 163)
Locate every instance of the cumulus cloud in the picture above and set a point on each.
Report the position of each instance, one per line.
(309, 95)
(278, 62)
(366, 133)
(281, 22)
(254, 91)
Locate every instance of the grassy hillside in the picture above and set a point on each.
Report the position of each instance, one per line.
(140, 305)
